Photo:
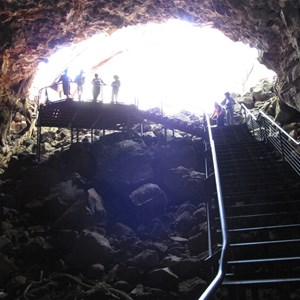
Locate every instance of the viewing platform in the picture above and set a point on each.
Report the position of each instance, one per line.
(87, 115)
(76, 115)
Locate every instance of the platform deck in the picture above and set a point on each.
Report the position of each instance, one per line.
(87, 115)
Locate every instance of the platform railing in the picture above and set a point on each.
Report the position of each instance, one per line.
(221, 255)
(265, 129)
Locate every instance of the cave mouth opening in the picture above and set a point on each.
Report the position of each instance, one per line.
(175, 65)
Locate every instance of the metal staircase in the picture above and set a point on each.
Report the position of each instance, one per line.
(261, 196)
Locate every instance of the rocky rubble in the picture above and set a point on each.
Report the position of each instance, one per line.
(122, 217)
(263, 97)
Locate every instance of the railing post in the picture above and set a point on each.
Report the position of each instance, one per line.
(265, 131)
(142, 128)
(281, 145)
(252, 126)
(72, 135)
(38, 148)
(245, 114)
(209, 233)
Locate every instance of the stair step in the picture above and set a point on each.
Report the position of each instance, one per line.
(264, 260)
(258, 192)
(256, 186)
(246, 160)
(289, 226)
(257, 152)
(228, 281)
(267, 267)
(265, 249)
(252, 174)
(255, 196)
(264, 219)
(268, 233)
(259, 208)
(247, 144)
(265, 243)
(234, 167)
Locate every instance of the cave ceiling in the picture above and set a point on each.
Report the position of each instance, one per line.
(33, 30)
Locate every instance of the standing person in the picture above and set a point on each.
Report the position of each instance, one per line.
(96, 82)
(64, 78)
(115, 89)
(80, 79)
(219, 113)
(229, 103)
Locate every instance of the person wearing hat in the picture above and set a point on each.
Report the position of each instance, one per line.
(115, 89)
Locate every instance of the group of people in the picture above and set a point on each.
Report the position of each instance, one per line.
(224, 109)
(97, 82)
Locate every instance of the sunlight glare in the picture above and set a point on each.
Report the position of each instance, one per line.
(176, 66)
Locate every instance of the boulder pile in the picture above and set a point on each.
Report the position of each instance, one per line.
(123, 217)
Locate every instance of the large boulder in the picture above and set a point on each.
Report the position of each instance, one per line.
(285, 114)
(78, 216)
(91, 247)
(79, 159)
(163, 278)
(185, 184)
(184, 152)
(186, 267)
(61, 197)
(145, 260)
(247, 100)
(124, 166)
(149, 201)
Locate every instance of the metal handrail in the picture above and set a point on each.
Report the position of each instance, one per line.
(265, 129)
(216, 282)
(279, 128)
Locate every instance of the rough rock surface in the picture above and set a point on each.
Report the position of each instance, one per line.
(85, 232)
(32, 30)
(262, 97)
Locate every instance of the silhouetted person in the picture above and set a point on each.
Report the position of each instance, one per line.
(229, 103)
(64, 78)
(219, 114)
(96, 82)
(80, 79)
(115, 89)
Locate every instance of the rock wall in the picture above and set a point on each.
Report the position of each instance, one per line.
(30, 31)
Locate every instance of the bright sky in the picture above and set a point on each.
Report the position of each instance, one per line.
(175, 65)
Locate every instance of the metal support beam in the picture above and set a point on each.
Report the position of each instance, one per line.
(38, 149)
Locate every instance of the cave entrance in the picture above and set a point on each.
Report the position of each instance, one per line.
(175, 65)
